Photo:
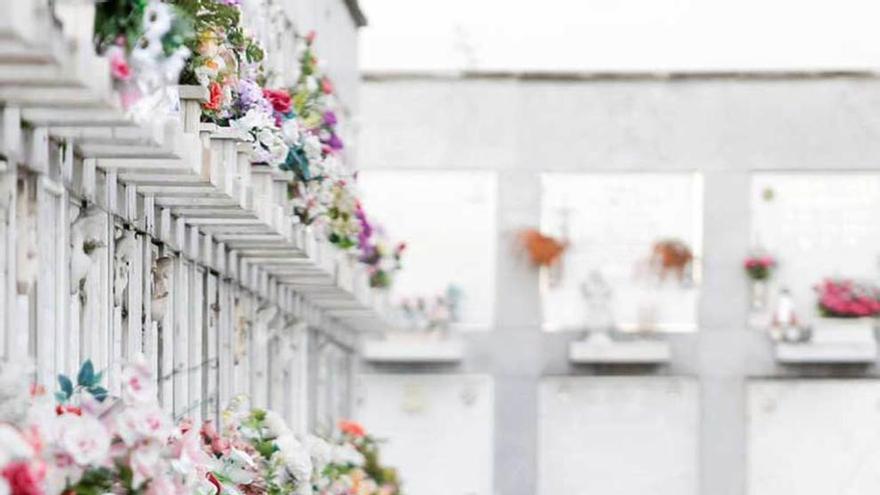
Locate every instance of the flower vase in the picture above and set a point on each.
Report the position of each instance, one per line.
(759, 292)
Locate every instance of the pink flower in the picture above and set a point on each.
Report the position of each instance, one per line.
(352, 429)
(326, 86)
(23, 479)
(85, 439)
(142, 422)
(138, 385)
(119, 68)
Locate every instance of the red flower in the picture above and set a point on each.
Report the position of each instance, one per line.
(214, 481)
(216, 97)
(22, 479)
(279, 99)
(352, 428)
(60, 410)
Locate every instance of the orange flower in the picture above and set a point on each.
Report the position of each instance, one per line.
(216, 97)
(352, 428)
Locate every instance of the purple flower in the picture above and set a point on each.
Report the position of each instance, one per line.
(334, 142)
(330, 118)
(233, 3)
(250, 95)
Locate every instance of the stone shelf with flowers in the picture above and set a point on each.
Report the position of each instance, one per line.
(423, 331)
(845, 330)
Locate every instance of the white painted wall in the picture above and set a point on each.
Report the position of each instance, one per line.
(640, 438)
(813, 437)
(448, 222)
(439, 430)
(618, 435)
(655, 124)
(612, 222)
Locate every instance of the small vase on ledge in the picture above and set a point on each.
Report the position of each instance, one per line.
(759, 293)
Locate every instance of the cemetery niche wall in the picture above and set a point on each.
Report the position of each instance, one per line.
(182, 247)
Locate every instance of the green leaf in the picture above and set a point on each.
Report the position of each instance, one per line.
(86, 376)
(66, 386)
(99, 393)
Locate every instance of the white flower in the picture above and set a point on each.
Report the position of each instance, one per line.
(157, 20)
(174, 64)
(144, 464)
(294, 456)
(266, 137)
(279, 152)
(254, 119)
(143, 422)
(275, 425)
(239, 467)
(347, 454)
(85, 439)
(320, 450)
(311, 84)
(13, 446)
(312, 147)
(138, 384)
(207, 72)
(290, 131)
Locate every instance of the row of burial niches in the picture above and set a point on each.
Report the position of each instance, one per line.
(620, 256)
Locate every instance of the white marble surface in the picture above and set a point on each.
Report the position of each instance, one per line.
(616, 435)
(813, 437)
(439, 429)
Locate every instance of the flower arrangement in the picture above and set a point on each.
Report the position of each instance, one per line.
(381, 259)
(759, 267)
(145, 42)
(204, 42)
(436, 313)
(86, 442)
(843, 298)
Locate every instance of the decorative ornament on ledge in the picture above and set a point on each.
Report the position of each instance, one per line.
(544, 251)
(759, 267)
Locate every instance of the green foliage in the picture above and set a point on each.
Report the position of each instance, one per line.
(86, 380)
(115, 18)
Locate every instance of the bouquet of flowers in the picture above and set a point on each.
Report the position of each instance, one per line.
(145, 41)
(844, 298)
(759, 267)
(89, 443)
(436, 313)
(382, 260)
